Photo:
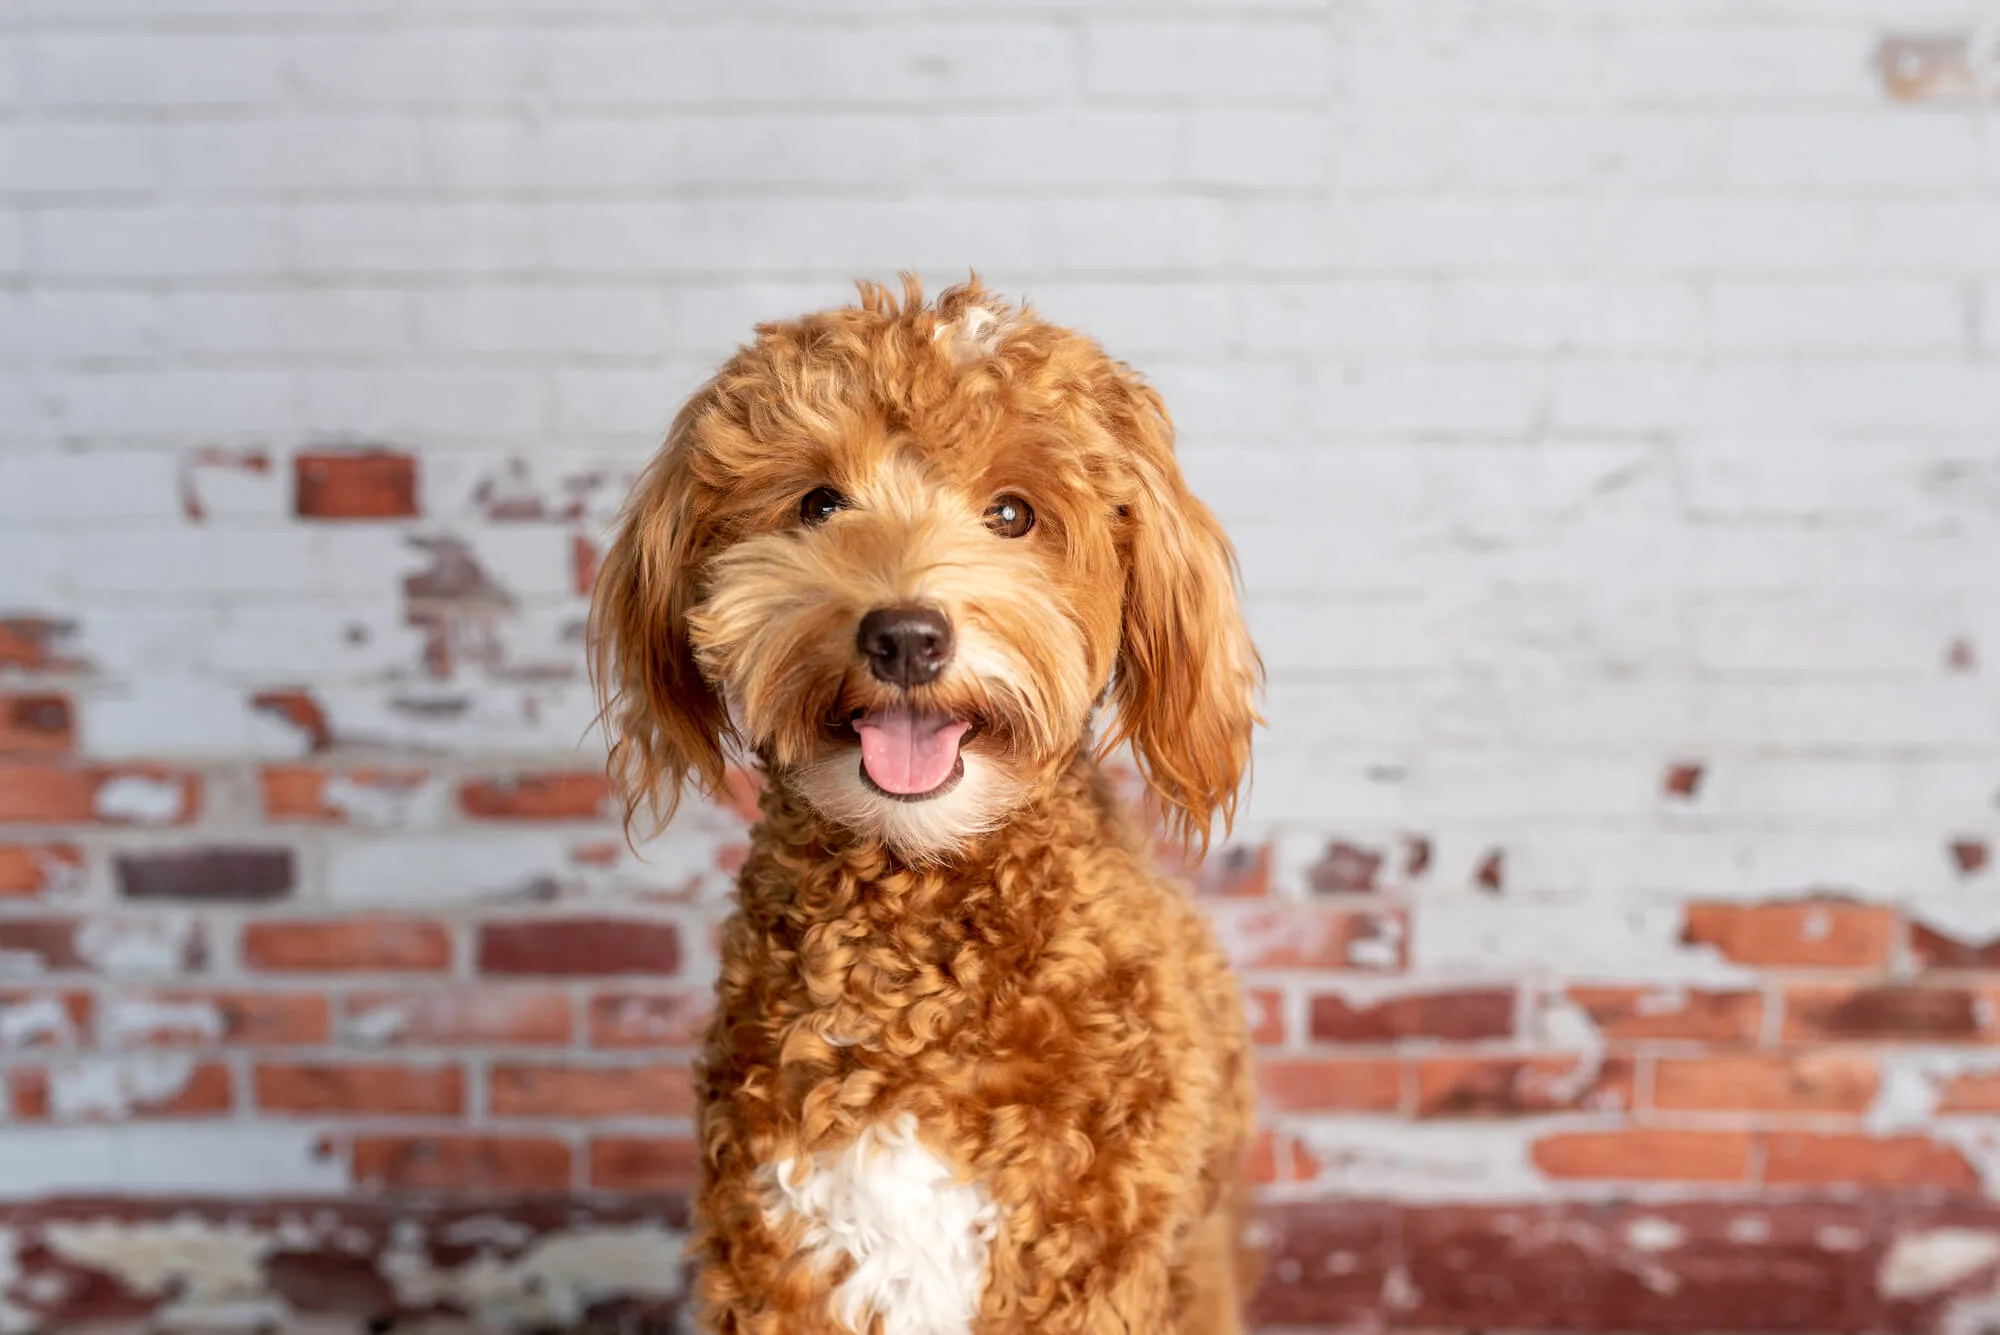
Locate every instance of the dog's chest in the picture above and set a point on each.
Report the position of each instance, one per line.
(911, 1239)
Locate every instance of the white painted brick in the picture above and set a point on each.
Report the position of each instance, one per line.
(297, 322)
(164, 715)
(1558, 315)
(185, 405)
(1820, 789)
(458, 70)
(1141, 319)
(412, 403)
(1049, 148)
(1858, 149)
(1740, 66)
(732, 64)
(1281, 150)
(1452, 398)
(102, 485)
(368, 239)
(676, 152)
(1102, 236)
(1249, 60)
(58, 324)
(261, 158)
(640, 402)
(1566, 148)
(1230, 399)
(13, 243)
(164, 1159)
(1763, 317)
(1851, 633)
(1305, 319)
(154, 242)
(1321, 635)
(100, 69)
(77, 159)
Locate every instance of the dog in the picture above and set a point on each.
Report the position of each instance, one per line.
(976, 1067)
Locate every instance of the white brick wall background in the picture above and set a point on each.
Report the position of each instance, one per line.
(1590, 387)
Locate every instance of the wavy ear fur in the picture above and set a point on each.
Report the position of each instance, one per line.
(666, 724)
(1187, 675)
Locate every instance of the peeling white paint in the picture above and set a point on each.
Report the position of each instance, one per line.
(136, 799)
(200, 1262)
(1382, 949)
(378, 1025)
(1654, 1234)
(137, 945)
(1840, 1238)
(129, 1018)
(113, 1088)
(1971, 919)
(554, 1281)
(1592, 939)
(385, 802)
(1921, 1264)
(13, 1320)
(1408, 1161)
(36, 1020)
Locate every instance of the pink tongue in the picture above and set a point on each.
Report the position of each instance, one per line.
(906, 752)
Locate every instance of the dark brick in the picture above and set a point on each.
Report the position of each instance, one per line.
(214, 875)
(579, 946)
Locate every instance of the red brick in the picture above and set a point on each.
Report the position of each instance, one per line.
(1463, 1015)
(520, 1090)
(326, 1089)
(299, 792)
(1523, 1086)
(1264, 1011)
(572, 796)
(1889, 1013)
(33, 869)
(1970, 1092)
(208, 1092)
(52, 794)
(43, 1019)
(30, 642)
(45, 945)
(1629, 1014)
(568, 947)
(1798, 934)
(1312, 936)
(469, 1016)
(1345, 869)
(1912, 1163)
(643, 1163)
(1640, 1154)
(462, 1163)
(358, 945)
(1275, 1156)
(36, 723)
(1238, 871)
(1810, 1083)
(1331, 1084)
(356, 484)
(1933, 949)
(199, 1018)
(649, 1019)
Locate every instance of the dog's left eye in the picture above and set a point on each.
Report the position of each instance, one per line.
(820, 504)
(1010, 517)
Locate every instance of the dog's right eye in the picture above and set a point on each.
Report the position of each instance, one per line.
(819, 505)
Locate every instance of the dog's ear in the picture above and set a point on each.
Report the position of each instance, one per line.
(666, 724)
(1187, 675)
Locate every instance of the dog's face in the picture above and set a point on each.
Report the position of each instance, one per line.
(902, 552)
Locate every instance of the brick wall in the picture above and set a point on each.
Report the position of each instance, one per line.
(1605, 401)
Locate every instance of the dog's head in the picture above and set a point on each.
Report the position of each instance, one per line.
(902, 551)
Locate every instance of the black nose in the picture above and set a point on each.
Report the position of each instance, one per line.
(905, 646)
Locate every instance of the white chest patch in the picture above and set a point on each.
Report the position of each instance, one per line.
(916, 1238)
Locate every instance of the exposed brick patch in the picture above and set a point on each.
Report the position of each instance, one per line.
(116, 1089)
(300, 709)
(219, 875)
(36, 723)
(1970, 856)
(643, 1163)
(1491, 873)
(1891, 1163)
(1961, 656)
(1934, 949)
(1800, 934)
(1345, 869)
(1641, 1154)
(1887, 1013)
(193, 507)
(1683, 780)
(181, 1017)
(39, 945)
(1465, 1015)
(354, 484)
(584, 561)
(579, 946)
(1523, 1086)
(543, 1090)
(35, 644)
(331, 1089)
(628, 1019)
(489, 1015)
(1812, 1083)
(366, 794)
(1631, 1014)
(1331, 1084)
(575, 796)
(359, 945)
(46, 794)
(457, 605)
(1932, 67)
(1238, 871)
(37, 869)
(462, 1163)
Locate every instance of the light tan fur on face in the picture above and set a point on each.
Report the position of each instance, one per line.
(997, 970)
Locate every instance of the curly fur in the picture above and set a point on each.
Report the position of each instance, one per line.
(976, 1067)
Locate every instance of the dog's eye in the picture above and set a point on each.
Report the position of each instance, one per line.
(1010, 517)
(819, 505)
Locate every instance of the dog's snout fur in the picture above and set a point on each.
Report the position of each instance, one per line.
(905, 646)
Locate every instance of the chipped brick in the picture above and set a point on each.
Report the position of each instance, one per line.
(35, 644)
(553, 796)
(1970, 856)
(37, 869)
(302, 711)
(1523, 1086)
(1631, 1014)
(1935, 949)
(1345, 869)
(495, 1016)
(1490, 874)
(40, 794)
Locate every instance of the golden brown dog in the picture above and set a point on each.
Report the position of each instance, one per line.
(976, 1067)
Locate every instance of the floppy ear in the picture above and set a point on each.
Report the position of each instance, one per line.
(1187, 674)
(665, 722)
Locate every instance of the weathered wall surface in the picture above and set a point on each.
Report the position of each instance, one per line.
(1606, 401)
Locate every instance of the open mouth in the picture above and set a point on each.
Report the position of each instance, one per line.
(910, 754)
